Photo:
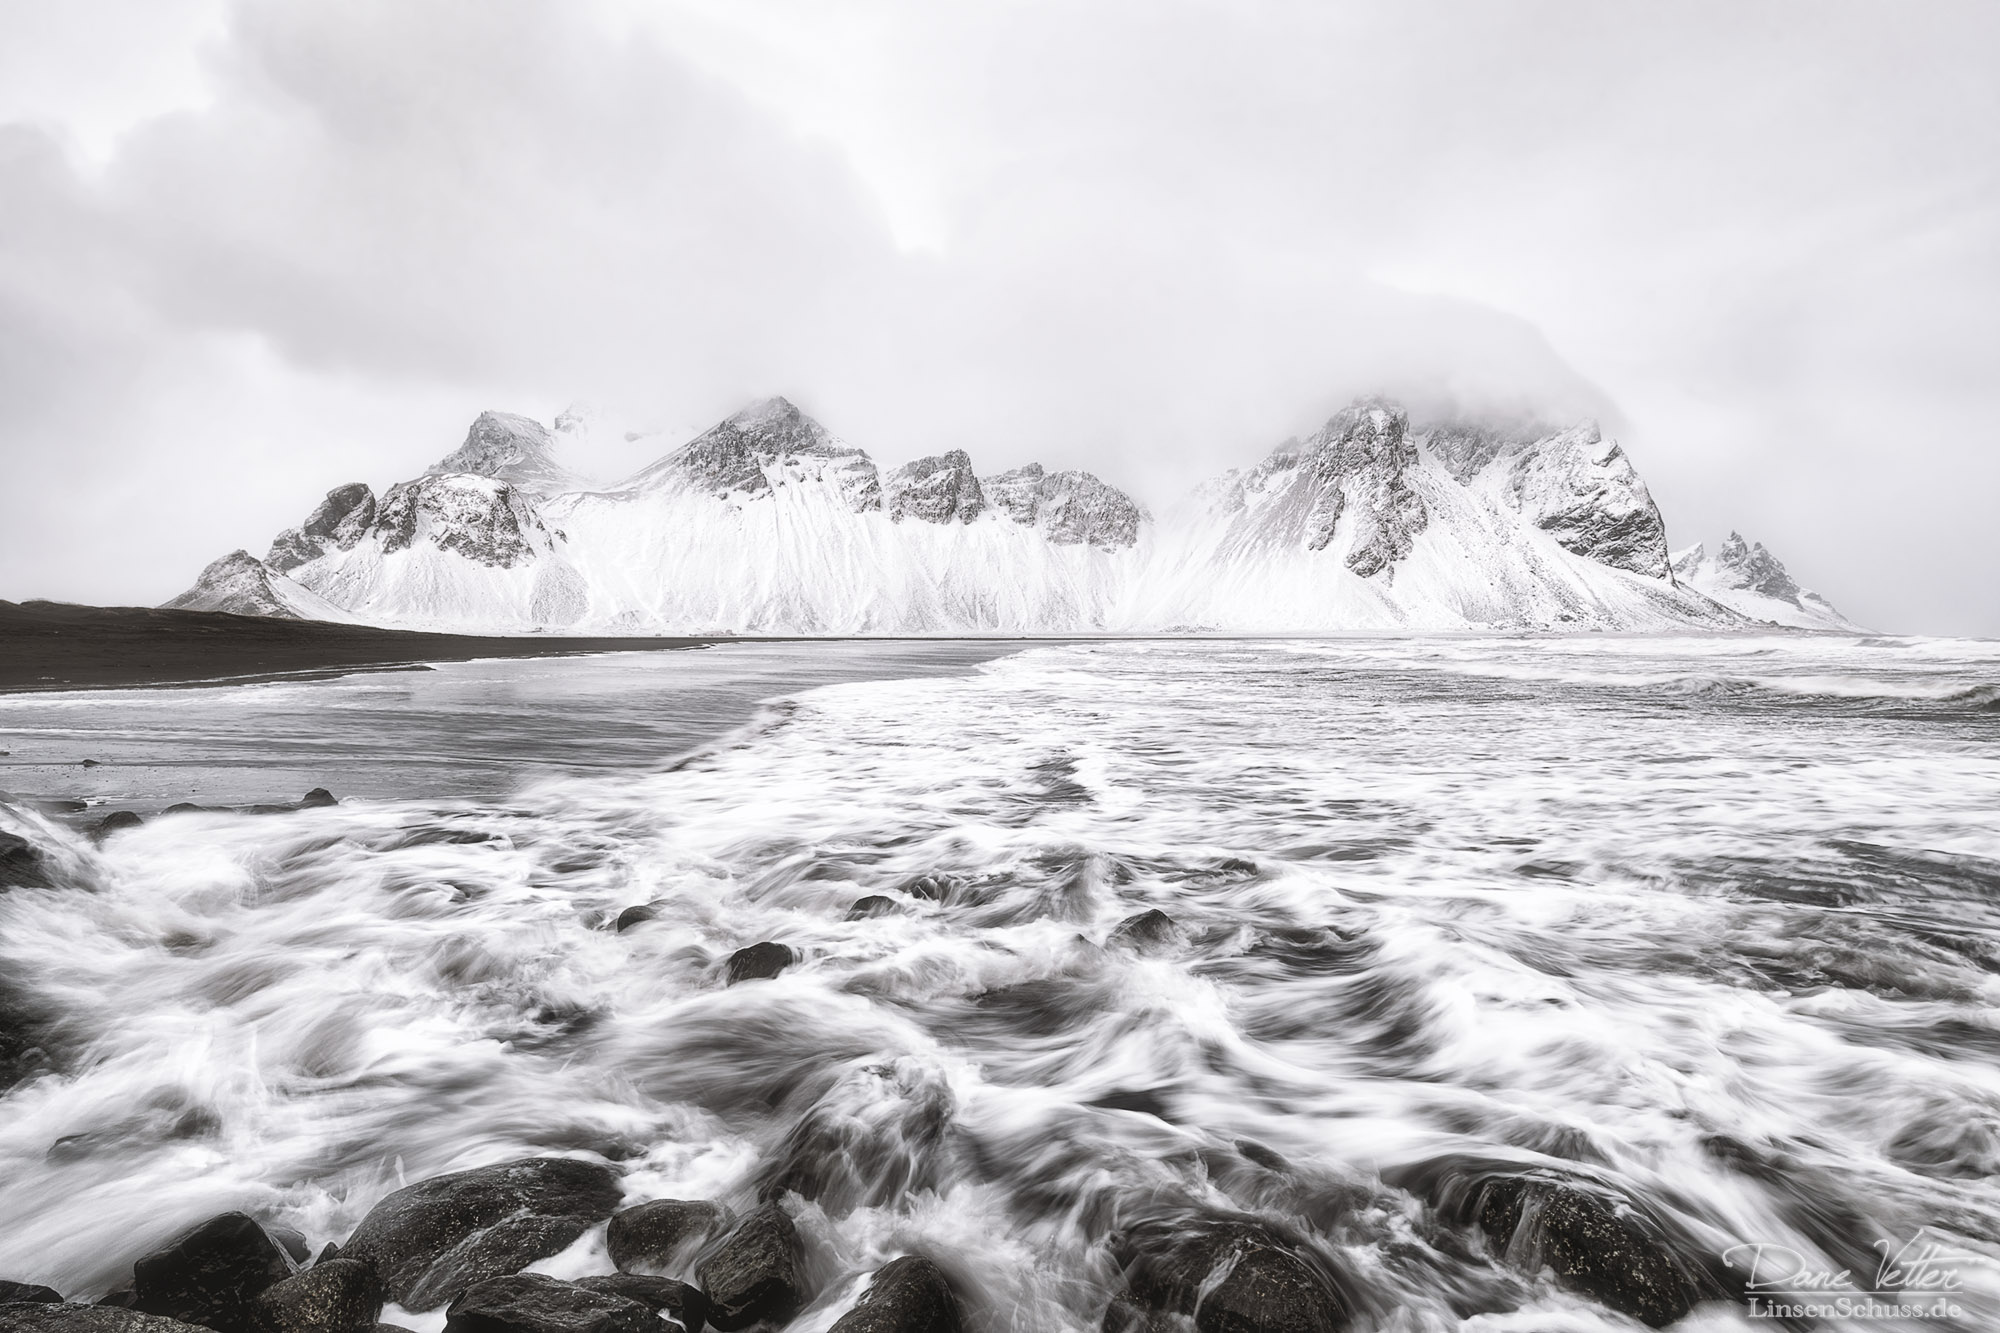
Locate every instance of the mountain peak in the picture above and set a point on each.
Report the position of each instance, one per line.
(1746, 577)
(740, 453)
(515, 449)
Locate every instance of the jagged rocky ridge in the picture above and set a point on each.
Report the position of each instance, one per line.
(1749, 579)
(769, 523)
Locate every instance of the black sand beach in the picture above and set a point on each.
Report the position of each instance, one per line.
(61, 646)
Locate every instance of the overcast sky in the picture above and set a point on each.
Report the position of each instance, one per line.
(250, 251)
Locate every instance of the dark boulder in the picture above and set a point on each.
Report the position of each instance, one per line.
(11, 1292)
(931, 888)
(417, 1227)
(873, 905)
(661, 1233)
(504, 1248)
(318, 799)
(24, 1026)
(1229, 1276)
(210, 1275)
(48, 1317)
(635, 916)
(113, 822)
(1149, 932)
(22, 864)
(757, 1274)
(532, 1303)
(329, 1251)
(759, 961)
(1595, 1244)
(291, 1242)
(662, 1295)
(337, 1296)
(906, 1295)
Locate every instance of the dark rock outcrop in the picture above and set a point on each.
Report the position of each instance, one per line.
(46, 1317)
(11, 1292)
(22, 864)
(210, 1275)
(759, 961)
(335, 1296)
(873, 905)
(938, 489)
(1595, 1244)
(661, 1233)
(740, 454)
(636, 915)
(906, 1295)
(757, 1274)
(1071, 508)
(339, 523)
(532, 1303)
(467, 1224)
(1229, 1276)
(114, 822)
(1149, 932)
(663, 1295)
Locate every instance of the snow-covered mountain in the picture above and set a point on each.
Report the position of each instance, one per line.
(1747, 578)
(769, 523)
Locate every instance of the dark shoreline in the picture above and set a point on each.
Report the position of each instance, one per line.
(46, 646)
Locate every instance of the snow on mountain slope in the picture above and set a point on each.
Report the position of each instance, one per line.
(769, 523)
(243, 585)
(1750, 580)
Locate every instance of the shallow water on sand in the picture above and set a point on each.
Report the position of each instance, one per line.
(1710, 925)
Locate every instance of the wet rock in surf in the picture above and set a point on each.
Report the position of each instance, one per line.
(528, 1207)
(757, 1274)
(114, 822)
(873, 905)
(1594, 1244)
(660, 1233)
(337, 1296)
(532, 1303)
(906, 1295)
(637, 915)
(23, 1036)
(1150, 932)
(210, 1275)
(12, 1292)
(759, 962)
(318, 799)
(47, 1317)
(874, 1137)
(1229, 1277)
(662, 1295)
(22, 865)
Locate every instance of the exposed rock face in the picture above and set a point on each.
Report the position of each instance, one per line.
(906, 1295)
(337, 1296)
(659, 1234)
(1582, 490)
(516, 450)
(1149, 933)
(41, 1317)
(759, 962)
(12, 1292)
(739, 454)
(938, 489)
(243, 585)
(481, 519)
(1600, 1246)
(22, 864)
(338, 524)
(1070, 508)
(1352, 470)
(1747, 577)
(532, 1303)
(1229, 1276)
(662, 1295)
(757, 1274)
(210, 1275)
(466, 1224)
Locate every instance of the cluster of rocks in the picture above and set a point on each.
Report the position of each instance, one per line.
(461, 1242)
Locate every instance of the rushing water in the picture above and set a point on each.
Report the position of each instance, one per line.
(1708, 923)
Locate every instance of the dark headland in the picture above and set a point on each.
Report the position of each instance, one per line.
(60, 646)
